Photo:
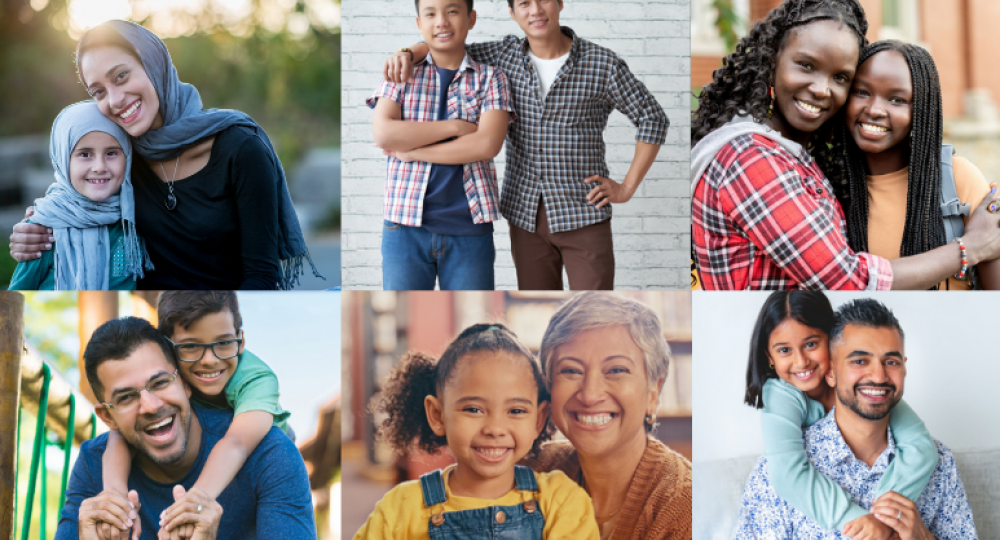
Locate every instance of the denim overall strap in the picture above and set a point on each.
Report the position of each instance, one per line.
(432, 486)
(524, 478)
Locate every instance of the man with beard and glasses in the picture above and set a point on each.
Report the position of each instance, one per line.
(853, 444)
(133, 373)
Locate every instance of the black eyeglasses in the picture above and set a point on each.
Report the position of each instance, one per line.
(126, 401)
(193, 352)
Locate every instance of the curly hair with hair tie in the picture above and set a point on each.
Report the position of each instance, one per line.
(741, 85)
(924, 229)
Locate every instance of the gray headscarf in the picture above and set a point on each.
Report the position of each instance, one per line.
(185, 123)
(80, 225)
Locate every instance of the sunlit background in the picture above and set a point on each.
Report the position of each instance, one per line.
(296, 334)
(276, 60)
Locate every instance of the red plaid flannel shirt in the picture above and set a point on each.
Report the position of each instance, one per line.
(476, 88)
(765, 219)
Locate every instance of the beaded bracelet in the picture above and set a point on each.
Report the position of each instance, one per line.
(965, 260)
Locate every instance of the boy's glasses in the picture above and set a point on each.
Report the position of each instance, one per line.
(126, 401)
(193, 352)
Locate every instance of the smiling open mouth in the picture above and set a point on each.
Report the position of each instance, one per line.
(594, 419)
(872, 128)
(98, 181)
(161, 429)
(492, 454)
(810, 108)
(805, 374)
(124, 115)
(874, 392)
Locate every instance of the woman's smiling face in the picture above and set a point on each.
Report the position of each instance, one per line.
(812, 77)
(880, 109)
(800, 354)
(600, 391)
(123, 91)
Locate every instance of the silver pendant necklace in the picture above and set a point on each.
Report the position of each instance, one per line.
(171, 200)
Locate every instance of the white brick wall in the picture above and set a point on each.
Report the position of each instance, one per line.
(651, 232)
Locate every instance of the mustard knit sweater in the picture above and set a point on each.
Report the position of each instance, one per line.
(658, 503)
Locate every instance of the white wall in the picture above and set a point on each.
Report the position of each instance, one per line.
(651, 232)
(953, 368)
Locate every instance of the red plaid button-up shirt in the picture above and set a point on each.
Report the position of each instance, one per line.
(476, 88)
(763, 218)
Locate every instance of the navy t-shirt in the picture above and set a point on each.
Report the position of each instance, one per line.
(446, 208)
(268, 499)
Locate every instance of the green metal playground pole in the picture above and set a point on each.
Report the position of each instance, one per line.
(68, 449)
(42, 495)
(43, 408)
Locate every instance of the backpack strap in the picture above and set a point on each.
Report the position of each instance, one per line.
(432, 486)
(952, 210)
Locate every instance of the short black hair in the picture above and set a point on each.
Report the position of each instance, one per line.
(117, 339)
(184, 308)
(416, 3)
(863, 312)
(510, 3)
(810, 308)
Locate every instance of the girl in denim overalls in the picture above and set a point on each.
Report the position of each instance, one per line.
(486, 400)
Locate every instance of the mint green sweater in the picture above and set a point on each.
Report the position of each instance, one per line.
(787, 411)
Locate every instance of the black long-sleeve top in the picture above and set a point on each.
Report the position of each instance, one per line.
(223, 233)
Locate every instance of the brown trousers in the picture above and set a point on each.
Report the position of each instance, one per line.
(587, 253)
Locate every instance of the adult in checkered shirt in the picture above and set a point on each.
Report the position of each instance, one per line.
(557, 190)
(440, 132)
(763, 211)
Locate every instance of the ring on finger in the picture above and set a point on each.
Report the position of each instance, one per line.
(198, 511)
(899, 516)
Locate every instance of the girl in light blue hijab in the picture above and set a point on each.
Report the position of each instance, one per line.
(90, 209)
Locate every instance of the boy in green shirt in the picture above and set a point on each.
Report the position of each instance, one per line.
(205, 330)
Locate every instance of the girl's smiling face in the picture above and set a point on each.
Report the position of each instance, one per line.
(813, 75)
(122, 89)
(97, 166)
(800, 354)
(880, 109)
(489, 412)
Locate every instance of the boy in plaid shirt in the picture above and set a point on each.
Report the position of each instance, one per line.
(441, 131)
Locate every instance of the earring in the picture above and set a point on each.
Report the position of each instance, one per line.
(650, 419)
(772, 366)
(770, 109)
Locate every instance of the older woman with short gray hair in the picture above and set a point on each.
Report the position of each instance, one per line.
(606, 361)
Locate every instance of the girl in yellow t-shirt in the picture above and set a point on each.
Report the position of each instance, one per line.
(486, 400)
(893, 186)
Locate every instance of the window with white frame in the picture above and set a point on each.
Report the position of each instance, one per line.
(900, 20)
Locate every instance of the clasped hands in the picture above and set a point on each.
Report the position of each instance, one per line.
(892, 517)
(112, 516)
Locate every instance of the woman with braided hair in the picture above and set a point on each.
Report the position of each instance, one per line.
(894, 172)
(769, 145)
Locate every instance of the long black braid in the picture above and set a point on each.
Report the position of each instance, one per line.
(741, 84)
(924, 228)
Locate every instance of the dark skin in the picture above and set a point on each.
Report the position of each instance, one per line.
(812, 78)
(880, 112)
(813, 75)
(879, 118)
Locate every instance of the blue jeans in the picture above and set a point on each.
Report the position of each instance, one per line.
(413, 257)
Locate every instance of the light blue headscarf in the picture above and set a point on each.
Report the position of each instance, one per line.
(80, 225)
(185, 123)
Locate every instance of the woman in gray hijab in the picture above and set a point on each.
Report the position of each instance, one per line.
(211, 197)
